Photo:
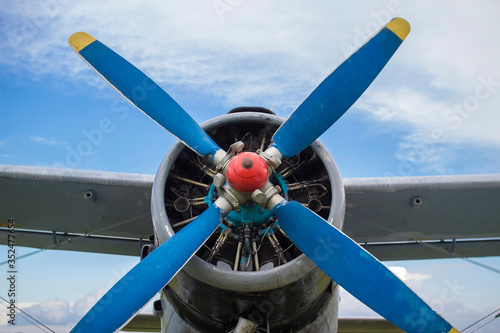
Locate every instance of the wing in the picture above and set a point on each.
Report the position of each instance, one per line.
(150, 323)
(424, 217)
(108, 212)
(75, 210)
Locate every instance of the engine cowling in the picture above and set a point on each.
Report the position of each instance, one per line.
(248, 268)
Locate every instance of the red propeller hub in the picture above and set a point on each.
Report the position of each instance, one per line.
(247, 172)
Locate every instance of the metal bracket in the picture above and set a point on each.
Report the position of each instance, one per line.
(265, 194)
(227, 192)
(272, 156)
(234, 149)
(54, 238)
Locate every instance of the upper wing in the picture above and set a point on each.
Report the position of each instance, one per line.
(76, 210)
(456, 215)
(424, 217)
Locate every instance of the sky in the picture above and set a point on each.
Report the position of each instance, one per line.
(434, 110)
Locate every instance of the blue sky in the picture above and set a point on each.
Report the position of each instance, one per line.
(434, 109)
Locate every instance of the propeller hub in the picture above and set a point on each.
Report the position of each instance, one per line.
(247, 172)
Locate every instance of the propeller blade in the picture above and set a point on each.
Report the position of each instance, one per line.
(335, 95)
(141, 283)
(357, 271)
(143, 93)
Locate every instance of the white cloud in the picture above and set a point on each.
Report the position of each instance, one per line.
(255, 51)
(274, 53)
(4, 311)
(58, 314)
(83, 305)
(51, 311)
(51, 142)
(405, 276)
(349, 306)
(460, 39)
(439, 128)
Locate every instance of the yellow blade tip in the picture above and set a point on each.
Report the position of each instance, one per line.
(79, 40)
(400, 27)
(454, 330)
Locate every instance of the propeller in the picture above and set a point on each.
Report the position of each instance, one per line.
(143, 93)
(141, 283)
(341, 258)
(331, 250)
(357, 271)
(335, 95)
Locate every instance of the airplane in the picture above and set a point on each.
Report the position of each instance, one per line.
(252, 227)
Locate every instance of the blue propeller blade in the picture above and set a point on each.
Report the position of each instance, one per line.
(335, 95)
(143, 93)
(357, 271)
(149, 276)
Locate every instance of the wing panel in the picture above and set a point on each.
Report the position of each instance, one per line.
(434, 250)
(433, 208)
(450, 207)
(75, 202)
(143, 323)
(71, 242)
(366, 325)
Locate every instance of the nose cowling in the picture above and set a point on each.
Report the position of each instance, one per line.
(247, 172)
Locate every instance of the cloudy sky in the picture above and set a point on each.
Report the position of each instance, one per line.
(435, 109)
